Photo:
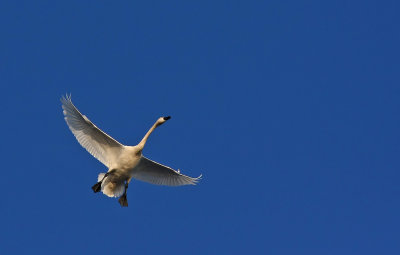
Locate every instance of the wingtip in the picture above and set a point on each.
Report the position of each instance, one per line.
(197, 179)
(66, 97)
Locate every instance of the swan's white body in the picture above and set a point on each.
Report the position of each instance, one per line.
(123, 162)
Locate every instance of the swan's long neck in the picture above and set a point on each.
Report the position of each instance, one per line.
(146, 136)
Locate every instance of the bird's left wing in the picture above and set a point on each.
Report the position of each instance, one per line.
(96, 142)
(155, 173)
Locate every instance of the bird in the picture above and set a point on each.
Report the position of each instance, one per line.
(123, 162)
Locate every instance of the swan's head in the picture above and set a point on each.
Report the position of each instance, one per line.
(162, 120)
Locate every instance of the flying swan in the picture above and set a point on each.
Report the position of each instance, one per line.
(123, 162)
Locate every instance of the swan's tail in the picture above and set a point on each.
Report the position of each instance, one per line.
(110, 186)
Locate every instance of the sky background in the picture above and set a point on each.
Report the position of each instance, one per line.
(289, 109)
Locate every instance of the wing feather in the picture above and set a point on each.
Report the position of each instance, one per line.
(102, 146)
(155, 173)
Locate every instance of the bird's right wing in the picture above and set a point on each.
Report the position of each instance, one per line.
(155, 173)
(96, 142)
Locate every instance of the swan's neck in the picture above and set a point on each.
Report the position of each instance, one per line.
(146, 136)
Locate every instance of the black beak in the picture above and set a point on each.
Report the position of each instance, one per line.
(167, 118)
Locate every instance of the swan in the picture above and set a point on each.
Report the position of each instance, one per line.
(123, 162)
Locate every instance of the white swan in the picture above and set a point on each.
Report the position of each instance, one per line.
(123, 162)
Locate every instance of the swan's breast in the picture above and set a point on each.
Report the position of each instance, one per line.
(129, 158)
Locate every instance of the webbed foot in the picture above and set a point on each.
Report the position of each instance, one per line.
(123, 201)
(97, 187)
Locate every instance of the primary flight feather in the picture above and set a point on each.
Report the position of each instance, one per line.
(123, 162)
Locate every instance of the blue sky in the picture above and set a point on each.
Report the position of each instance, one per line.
(289, 109)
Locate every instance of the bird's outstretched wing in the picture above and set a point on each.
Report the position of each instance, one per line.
(155, 173)
(96, 142)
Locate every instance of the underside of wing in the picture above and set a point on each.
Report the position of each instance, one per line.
(155, 173)
(102, 146)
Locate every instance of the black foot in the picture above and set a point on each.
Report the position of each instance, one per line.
(123, 201)
(97, 187)
(167, 118)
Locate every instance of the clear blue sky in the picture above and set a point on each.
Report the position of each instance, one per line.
(289, 109)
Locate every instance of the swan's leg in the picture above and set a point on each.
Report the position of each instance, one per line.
(156, 124)
(97, 187)
(123, 201)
